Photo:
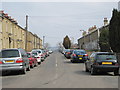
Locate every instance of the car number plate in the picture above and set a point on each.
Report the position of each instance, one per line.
(80, 58)
(9, 61)
(106, 62)
(80, 55)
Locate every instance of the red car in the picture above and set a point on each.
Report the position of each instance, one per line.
(32, 59)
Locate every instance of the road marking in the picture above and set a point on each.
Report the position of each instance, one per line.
(56, 62)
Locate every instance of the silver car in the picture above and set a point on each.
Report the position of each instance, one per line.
(14, 59)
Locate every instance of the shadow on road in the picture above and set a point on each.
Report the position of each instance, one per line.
(12, 73)
(69, 62)
(98, 74)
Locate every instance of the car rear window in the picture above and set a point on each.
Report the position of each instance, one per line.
(79, 52)
(106, 57)
(28, 55)
(10, 53)
(67, 50)
(39, 51)
(34, 53)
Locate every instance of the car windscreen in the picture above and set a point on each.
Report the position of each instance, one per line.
(10, 53)
(34, 53)
(28, 55)
(79, 52)
(106, 57)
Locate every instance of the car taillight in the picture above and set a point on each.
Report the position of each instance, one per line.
(41, 54)
(30, 59)
(19, 60)
(1, 62)
(74, 54)
(68, 53)
(86, 54)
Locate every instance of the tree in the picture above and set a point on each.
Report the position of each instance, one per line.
(104, 40)
(66, 42)
(46, 45)
(114, 33)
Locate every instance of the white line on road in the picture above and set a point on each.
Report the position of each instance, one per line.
(56, 64)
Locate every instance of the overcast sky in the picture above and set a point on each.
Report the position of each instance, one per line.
(55, 20)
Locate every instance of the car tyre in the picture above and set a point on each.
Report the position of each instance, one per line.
(86, 69)
(36, 64)
(32, 66)
(28, 69)
(92, 71)
(116, 72)
(39, 63)
(72, 61)
(23, 71)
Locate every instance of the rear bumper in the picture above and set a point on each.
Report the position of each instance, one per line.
(79, 59)
(11, 68)
(106, 68)
(38, 59)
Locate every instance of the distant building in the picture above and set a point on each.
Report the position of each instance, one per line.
(119, 5)
(90, 40)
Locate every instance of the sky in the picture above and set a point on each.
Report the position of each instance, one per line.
(55, 20)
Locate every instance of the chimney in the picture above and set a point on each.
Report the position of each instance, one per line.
(105, 21)
(9, 17)
(6, 15)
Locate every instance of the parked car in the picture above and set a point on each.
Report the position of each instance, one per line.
(79, 56)
(45, 53)
(14, 60)
(64, 51)
(39, 55)
(102, 62)
(50, 51)
(68, 53)
(32, 59)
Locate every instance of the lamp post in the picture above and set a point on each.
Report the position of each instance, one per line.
(43, 42)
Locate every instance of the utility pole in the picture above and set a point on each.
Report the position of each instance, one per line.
(26, 31)
(43, 42)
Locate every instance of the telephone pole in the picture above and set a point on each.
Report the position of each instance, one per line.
(26, 31)
(43, 42)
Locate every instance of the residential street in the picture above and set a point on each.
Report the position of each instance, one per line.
(58, 72)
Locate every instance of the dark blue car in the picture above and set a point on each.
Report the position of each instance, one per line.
(79, 56)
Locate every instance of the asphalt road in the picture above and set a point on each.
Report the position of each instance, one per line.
(58, 72)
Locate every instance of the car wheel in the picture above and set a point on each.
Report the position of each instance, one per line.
(116, 72)
(39, 63)
(23, 71)
(92, 71)
(72, 61)
(28, 69)
(86, 69)
(36, 64)
(32, 66)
